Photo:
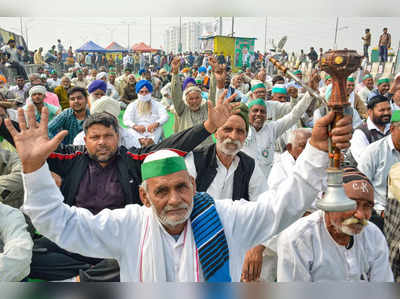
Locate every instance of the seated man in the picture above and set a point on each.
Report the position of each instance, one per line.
(392, 216)
(376, 162)
(146, 116)
(15, 245)
(102, 175)
(174, 223)
(336, 246)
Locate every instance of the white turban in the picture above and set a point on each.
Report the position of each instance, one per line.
(101, 75)
(37, 89)
(106, 104)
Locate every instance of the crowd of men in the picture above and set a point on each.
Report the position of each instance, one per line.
(94, 188)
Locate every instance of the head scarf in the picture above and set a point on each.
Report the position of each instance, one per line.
(37, 89)
(243, 112)
(367, 76)
(106, 104)
(101, 75)
(143, 83)
(258, 85)
(279, 88)
(202, 69)
(395, 116)
(187, 81)
(161, 163)
(257, 102)
(97, 84)
(383, 80)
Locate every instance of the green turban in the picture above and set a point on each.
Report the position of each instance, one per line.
(395, 116)
(350, 79)
(258, 85)
(383, 80)
(243, 111)
(257, 102)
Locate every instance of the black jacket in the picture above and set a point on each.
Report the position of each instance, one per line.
(71, 162)
(205, 161)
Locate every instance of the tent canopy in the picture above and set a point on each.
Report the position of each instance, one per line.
(142, 47)
(115, 47)
(91, 47)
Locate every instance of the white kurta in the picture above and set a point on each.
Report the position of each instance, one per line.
(158, 114)
(222, 185)
(116, 233)
(261, 145)
(359, 141)
(307, 252)
(15, 245)
(375, 163)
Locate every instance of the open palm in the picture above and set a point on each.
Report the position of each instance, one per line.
(32, 143)
(219, 114)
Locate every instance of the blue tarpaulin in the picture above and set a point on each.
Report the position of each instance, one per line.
(91, 47)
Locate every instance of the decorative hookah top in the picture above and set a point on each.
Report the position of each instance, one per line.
(339, 64)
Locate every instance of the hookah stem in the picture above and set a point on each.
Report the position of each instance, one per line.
(334, 152)
(289, 74)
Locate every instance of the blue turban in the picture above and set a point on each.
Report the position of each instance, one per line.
(187, 81)
(202, 69)
(97, 84)
(143, 83)
(141, 72)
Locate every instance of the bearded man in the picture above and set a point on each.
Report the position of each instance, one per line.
(336, 246)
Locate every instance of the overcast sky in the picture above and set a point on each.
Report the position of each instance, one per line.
(301, 32)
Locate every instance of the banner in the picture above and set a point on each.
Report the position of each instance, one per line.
(6, 35)
(244, 48)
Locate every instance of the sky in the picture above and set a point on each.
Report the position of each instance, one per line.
(301, 32)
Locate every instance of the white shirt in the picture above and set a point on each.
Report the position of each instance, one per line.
(261, 145)
(222, 185)
(116, 233)
(158, 114)
(375, 163)
(307, 252)
(53, 83)
(359, 141)
(363, 94)
(15, 245)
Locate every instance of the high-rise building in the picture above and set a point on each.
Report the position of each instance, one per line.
(191, 31)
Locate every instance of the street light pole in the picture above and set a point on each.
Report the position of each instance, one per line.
(336, 31)
(150, 32)
(265, 34)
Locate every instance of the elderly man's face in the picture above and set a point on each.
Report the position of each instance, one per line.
(259, 93)
(37, 98)
(298, 146)
(293, 92)
(231, 136)
(280, 97)
(349, 87)
(237, 81)
(171, 198)
(352, 222)
(384, 88)
(66, 83)
(131, 79)
(257, 116)
(369, 83)
(144, 91)
(193, 100)
(98, 93)
(101, 142)
(93, 73)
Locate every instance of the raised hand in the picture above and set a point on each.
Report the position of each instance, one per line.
(314, 80)
(220, 72)
(175, 64)
(213, 62)
(33, 144)
(341, 134)
(218, 115)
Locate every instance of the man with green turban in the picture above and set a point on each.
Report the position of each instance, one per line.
(382, 89)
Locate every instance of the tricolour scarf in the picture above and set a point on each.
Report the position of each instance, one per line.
(205, 245)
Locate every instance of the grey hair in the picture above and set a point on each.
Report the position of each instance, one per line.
(144, 186)
(293, 135)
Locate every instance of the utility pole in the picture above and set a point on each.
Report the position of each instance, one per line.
(150, 32)
(265, 34)
(20, 22)
(336, 30)
(129, 33)
(233, 25)
(220, 25)
(180, 35)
